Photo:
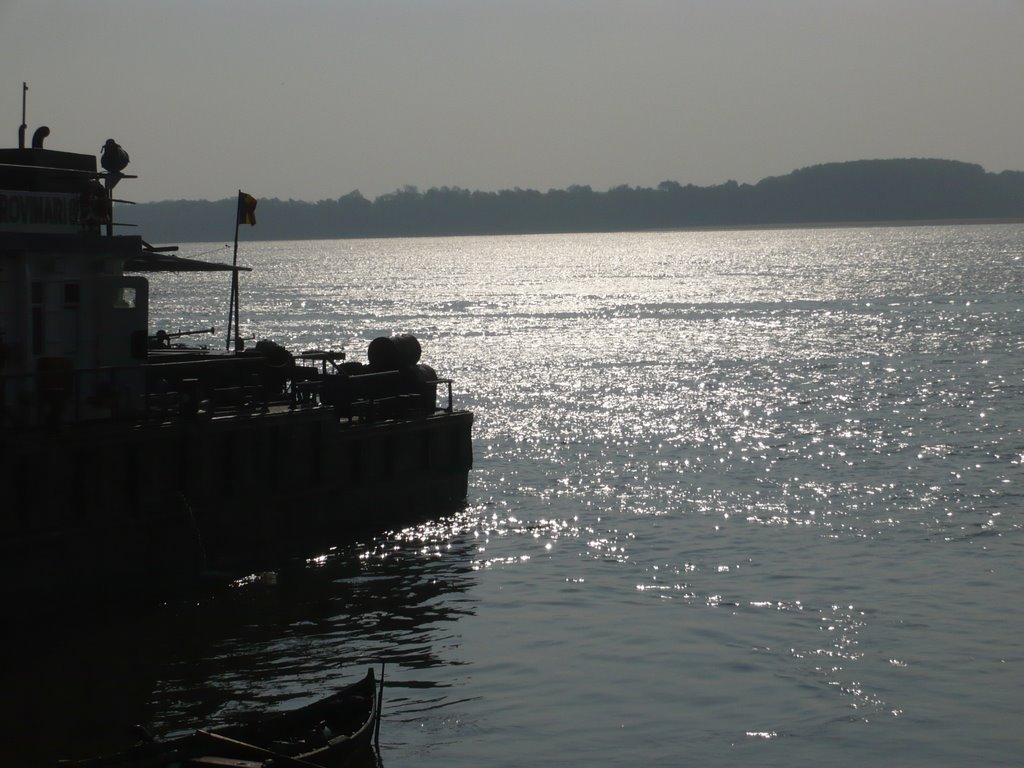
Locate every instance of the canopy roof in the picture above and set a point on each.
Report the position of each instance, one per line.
(157, 261)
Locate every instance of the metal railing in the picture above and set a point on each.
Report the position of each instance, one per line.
(47, 399)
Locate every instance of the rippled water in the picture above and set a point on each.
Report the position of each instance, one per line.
(740, 498)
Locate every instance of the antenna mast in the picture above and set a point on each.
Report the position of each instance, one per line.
(24, 125)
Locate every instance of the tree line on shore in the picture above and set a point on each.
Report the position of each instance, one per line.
(850, 192)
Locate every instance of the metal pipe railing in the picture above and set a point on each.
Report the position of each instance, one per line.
(123, 393)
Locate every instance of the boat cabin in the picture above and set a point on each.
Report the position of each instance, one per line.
(65, 302)
(73, 326)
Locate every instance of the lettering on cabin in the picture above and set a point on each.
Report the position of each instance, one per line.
(39, 212)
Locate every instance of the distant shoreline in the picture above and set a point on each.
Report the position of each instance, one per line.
(885, 193)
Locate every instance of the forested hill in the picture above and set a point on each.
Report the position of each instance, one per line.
(859, 191)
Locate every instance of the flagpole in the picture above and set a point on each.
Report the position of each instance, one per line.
(233, 306)
(244, 212)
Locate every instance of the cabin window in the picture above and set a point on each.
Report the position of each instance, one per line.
(125, 298)
(70, 321)
(38, 318)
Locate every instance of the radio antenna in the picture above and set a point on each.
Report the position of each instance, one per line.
(24, 126)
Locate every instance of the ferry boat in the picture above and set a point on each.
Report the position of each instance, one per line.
(129, 462)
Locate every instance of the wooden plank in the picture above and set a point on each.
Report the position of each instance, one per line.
(226, 762)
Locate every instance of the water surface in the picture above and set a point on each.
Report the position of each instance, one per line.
(739, 498)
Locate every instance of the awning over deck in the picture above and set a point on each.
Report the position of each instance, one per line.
(158, 261)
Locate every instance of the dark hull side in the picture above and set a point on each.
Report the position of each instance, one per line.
(107, 509)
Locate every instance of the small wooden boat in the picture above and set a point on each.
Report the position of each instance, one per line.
(325, 734)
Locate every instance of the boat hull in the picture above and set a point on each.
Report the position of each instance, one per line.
(327, 733)
(111, 508)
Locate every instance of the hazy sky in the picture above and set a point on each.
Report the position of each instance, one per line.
(311, 99)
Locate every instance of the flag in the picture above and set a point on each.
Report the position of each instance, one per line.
(246, 209)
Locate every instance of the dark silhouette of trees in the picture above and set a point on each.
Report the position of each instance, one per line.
(859, 191)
